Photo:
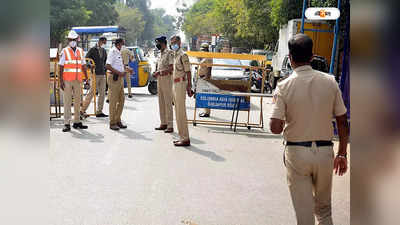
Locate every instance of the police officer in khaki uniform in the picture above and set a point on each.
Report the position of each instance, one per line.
(163, 74)
(205, 73)
(127, 56)
(116, 72)
(182, 84)
(306, 102)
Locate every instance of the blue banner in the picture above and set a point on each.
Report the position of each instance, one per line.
(220, 101)
(134, 76)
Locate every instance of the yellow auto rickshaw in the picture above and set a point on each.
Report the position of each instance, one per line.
(141, 75)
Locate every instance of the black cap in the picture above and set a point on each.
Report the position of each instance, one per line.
(161, 39)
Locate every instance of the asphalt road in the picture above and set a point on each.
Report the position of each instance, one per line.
(136, 176)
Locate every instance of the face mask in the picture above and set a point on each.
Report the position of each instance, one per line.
(175, 47)
(158, 46)
(72, 44)
(102, 45)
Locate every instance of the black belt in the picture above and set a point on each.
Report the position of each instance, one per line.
(309, 143)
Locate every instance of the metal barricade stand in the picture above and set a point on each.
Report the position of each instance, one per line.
(92, 77)
(238, 97)
(55, 108)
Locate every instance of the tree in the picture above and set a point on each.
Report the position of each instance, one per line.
(182, 11)
(163, 24)
(132, 20)
(245, 23)
(103, 12)
(146, 37)
(199, 19)
(284, 10)
(64, 15)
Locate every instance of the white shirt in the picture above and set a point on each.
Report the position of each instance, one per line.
(114, 58)
(62, 58)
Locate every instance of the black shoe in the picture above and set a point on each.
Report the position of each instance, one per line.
(122, 126)
(101, 115)
(114, 127)
(204, 115)
(130, 96)
(161, 127)
(79, 126)
(169, 130)
(66, 128)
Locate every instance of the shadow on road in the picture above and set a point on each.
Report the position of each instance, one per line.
(253, 133)
(208, 154)
(85, 135)
(133, 135)
(129, 108)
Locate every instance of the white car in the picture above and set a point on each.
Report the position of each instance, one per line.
(228, 73)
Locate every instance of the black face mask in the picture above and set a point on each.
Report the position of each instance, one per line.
(158, 46)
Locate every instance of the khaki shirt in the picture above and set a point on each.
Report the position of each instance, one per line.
(307, 101)
(127, 55)
(181, 64)
(166, 58)
(203, 70)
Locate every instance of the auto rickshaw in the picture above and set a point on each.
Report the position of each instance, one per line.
(141, 75)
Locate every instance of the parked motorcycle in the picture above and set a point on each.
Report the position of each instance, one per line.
(256, 81)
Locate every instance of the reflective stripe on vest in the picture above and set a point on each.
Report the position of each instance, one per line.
(73, 64)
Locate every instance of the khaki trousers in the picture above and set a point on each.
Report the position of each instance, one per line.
(101, 88)
(165, 98)
(180, 110)
(309, 176)
(207, 111)
(72, 88)
(128, 82)
(116, 98)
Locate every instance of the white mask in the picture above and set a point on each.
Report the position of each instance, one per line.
(72, 44)
(102, 45)
(175, 47)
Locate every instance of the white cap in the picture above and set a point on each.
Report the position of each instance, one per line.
(72, 35)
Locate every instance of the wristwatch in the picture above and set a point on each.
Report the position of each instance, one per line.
(342, 156)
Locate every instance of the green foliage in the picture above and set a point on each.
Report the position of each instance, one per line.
(199, 19)
(143, 6)
(284, 10)
(64, 15)
(132, 20)
(142, 24)
(103, 12)
(163, 24)
(245, 22)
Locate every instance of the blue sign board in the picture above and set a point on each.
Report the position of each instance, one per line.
(220, 101)
(135, 76)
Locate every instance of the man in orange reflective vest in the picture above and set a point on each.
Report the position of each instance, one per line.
(72, 65)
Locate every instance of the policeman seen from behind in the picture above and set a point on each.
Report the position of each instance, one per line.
(182, 85)
(99, 56)
(72, 66)
(304, 105)
(115, 80)
(163, 73)
(205, 73)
